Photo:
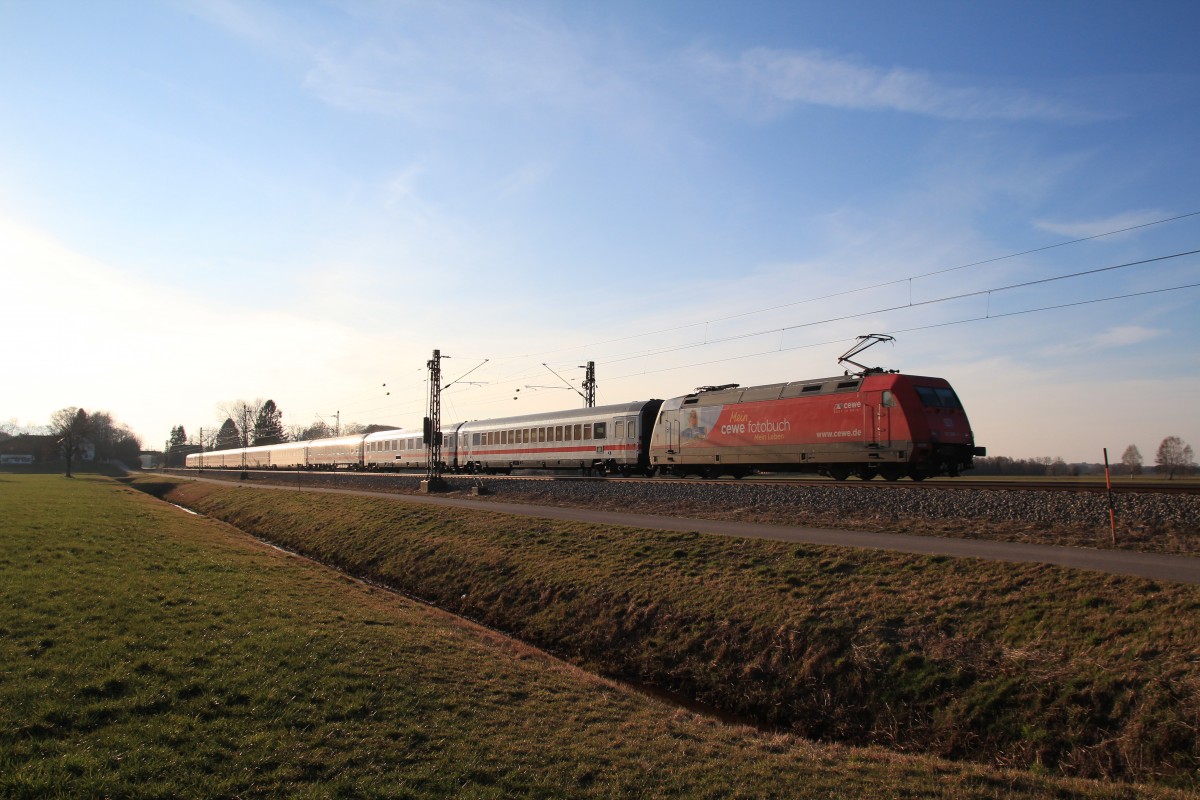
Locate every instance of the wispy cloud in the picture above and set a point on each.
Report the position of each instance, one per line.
(1123, 336)
(1123, 223)
(428, 61)
(769, 80)
(1117, 337)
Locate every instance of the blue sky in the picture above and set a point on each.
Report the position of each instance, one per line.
(205, 201)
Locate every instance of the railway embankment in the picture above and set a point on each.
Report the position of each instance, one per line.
(1146, 521)
(1071, 672)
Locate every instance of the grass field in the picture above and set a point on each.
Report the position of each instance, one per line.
(1073, 672)
(145, 652)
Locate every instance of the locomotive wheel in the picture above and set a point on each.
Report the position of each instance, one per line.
(890, 472)
(839, 473)
(866, 473)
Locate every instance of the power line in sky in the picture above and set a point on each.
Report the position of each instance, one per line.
(847, 292)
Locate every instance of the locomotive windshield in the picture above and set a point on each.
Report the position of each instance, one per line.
(938, 397)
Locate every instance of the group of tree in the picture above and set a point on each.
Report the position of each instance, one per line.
(254, 423)
(1174, 457)
(74, 429)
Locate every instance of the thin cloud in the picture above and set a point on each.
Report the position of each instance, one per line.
(1097, 227)
(773, 80)
(1124, 336)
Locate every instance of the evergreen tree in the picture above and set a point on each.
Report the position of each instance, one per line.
(178, 440)
(228, 438)
(268, 426)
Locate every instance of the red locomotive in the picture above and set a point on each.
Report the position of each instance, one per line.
(869, 423)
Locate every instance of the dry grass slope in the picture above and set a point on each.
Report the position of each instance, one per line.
(1068, 672)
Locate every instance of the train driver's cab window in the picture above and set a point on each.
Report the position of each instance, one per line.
(938, 397)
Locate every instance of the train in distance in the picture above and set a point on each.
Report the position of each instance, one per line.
(868, 423)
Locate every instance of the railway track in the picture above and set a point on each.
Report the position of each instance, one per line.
(1148, 486)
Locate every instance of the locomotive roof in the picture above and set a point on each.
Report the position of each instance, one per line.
(706, 396)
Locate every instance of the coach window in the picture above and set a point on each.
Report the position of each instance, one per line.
(601, 430)
(619, 430)
(632, 429)
(557, 433)
(587, 431)
(578, 433)
(541, 432)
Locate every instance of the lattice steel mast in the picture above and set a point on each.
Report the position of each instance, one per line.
(589, 385)
(433, 423)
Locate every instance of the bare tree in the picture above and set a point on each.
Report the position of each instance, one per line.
(1173, 456)
(1132, 460)
(70, 427)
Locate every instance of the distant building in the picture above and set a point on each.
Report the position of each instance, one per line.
(35, 449)
(31, 448)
